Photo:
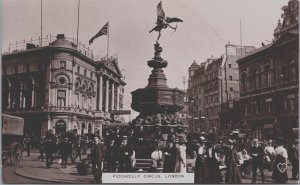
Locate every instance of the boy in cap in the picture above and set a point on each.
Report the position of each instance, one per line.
(97, 157)
(126, 155)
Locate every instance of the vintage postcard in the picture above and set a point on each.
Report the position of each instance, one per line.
(150, 91)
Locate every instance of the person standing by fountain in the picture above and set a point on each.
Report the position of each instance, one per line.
(126, 155)
(170, 157)
(182, 156)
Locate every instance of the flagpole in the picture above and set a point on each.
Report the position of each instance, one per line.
(78, 22)
(41, 22)
(107, 38)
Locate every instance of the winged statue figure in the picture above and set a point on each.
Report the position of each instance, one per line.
(163, 22)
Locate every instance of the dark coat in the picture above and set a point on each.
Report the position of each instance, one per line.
(233, 175)
(125, 153)
(170, 159)
(201, 168)
(98, 153)
(257, 154)
(111, 152)
(214, 172)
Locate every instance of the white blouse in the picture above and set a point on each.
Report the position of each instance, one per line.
(280, 150)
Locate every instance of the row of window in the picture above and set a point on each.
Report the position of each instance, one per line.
(287, 105)
(63, 66)
(196, 80)
(212, 98)
(212, 111)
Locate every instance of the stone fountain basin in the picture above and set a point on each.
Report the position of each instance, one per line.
(149, 100)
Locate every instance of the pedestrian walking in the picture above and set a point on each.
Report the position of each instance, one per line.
(126, 156)
(50, 147)
(201, 169)
(97, 157)
(41, 147)
(294, 158)
(270, 155)
(257, 155)
(170, 157)
(27, 143)
(182, 156)
(111, 155)
(65, 149)
(280, 167)
(233, 175)
(214, 173)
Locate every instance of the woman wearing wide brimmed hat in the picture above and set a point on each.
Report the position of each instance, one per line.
(233, 175)
(280, 166)
(201, 169)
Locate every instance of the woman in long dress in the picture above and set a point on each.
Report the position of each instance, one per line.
(182, 153)
(280, 165)
(201, 169)
(233, 175)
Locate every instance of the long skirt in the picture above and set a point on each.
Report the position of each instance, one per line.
(280, 169)
(233, 175)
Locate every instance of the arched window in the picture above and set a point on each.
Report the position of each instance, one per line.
(90, 128)
(82, 128)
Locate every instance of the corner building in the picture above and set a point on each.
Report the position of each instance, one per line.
(270, 82)
(60, 86)
(211, 85)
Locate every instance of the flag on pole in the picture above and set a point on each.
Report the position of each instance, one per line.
(103, 31)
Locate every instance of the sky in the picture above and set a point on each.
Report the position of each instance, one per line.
(208, 25)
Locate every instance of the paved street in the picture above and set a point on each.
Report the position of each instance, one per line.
(33, 171)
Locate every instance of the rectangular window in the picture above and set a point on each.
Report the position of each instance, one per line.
(84, 72)
(230, 77)
(63, 64)
(90, 103)
(77, 100)
(91, 75)
(61, 98)
(231, 89)
(78, 69)
(229, 65)
(83, 102)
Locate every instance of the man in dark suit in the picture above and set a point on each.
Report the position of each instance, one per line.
(126, 155)
(170, 157)
(97, 158)
(257, 154)
(50, 147)
(111, 155)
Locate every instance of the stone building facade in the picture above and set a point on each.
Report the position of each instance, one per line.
(210, 85)
(269, 82)
(60, 86)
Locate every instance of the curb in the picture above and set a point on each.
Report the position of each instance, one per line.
(20, 173)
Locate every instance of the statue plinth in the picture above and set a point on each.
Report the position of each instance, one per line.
(157, 104)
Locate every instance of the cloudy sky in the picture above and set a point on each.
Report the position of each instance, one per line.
(208, 25)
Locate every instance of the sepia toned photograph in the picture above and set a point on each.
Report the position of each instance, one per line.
(150, 91)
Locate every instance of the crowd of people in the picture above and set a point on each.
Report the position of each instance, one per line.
(215, 160)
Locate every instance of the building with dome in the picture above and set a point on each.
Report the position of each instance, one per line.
(60, 85)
